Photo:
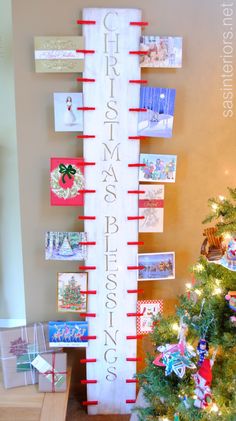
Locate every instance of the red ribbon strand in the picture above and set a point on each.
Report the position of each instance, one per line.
(88, 360)
(85, 79)
(86, 22)
(85, 51)
(139, 23)
(86, 218)
(87, 403)
(86, 108)
(90, 292)
(135, 291)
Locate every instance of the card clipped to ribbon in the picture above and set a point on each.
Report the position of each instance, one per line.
(68, 334)
(58, 54)
(52, 371)
(151, 206)
(66, 181)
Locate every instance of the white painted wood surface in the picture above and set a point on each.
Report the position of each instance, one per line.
(112, 66)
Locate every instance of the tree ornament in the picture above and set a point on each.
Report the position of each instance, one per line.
(202, 350)
(203, 380)
(212, 247)
(229, 258)
(231, 297)
(233, 320)
(175, 358)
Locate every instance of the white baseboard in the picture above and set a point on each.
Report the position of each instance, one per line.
(12, 322)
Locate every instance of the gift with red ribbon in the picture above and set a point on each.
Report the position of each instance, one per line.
(52, 370)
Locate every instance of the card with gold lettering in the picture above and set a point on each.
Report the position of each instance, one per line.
(151, 206)
(58, 54)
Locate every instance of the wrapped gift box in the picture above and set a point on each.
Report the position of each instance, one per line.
(68, 334)
(52, 371)
(19, 346)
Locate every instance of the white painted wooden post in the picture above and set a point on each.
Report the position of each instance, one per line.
(112, 66)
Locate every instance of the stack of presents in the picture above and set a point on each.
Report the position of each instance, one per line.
(33, 353)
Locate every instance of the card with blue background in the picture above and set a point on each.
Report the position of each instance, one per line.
(68, 334)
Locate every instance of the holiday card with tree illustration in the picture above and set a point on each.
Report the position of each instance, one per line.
(70, 298)
(151, 207)
(66, 181)
(67, 116)
(149, 309)
(65, 245)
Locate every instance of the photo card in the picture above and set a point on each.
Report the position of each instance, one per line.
(156, 266)
(66, 116)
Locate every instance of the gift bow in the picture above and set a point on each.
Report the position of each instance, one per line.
(66, 171)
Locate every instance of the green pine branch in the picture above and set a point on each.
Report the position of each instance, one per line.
(207, 314)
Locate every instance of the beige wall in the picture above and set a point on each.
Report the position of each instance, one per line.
(12, 305)
(203, 139)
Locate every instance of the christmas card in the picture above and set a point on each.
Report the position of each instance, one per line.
(66, 116)
(158, 119)
(156, 266)
(66, 181)
(70, 298)
(151, 206)
(58, 54)
(162, 51)
(158, 168)
(148, 309)
(68, 334)
(65, 245)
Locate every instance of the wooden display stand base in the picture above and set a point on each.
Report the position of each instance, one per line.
(27, 404)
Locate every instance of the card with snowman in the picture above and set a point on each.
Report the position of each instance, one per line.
(148, 309)
(67, 117)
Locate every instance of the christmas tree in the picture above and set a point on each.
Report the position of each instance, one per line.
(71, 297)
(191, 374)
(66, 249)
